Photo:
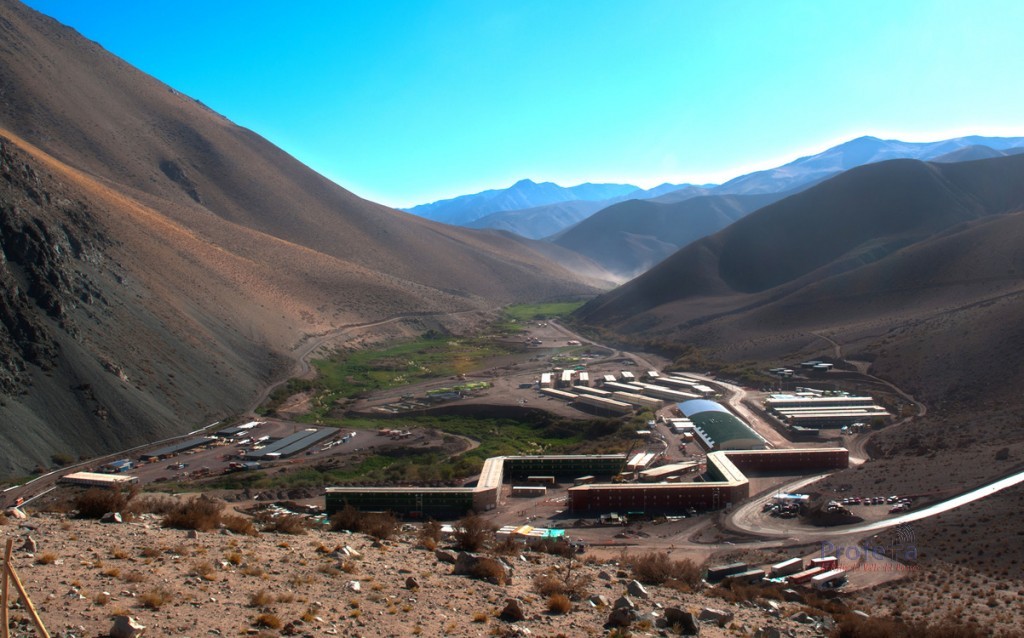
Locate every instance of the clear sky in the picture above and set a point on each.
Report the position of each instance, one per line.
(409, 102)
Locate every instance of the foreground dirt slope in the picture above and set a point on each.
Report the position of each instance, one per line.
(84, 571)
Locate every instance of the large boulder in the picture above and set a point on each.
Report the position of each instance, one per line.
(445, 556)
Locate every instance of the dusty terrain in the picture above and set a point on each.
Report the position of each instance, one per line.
(83, 572)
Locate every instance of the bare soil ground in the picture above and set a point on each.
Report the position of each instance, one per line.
(83, 572)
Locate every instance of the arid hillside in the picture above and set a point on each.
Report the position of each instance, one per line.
(161, 265)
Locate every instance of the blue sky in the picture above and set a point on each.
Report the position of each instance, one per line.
(410, 102)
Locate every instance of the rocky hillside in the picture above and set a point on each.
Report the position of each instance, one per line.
(162, 265)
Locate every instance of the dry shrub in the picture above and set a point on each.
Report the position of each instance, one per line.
(555, 548)
(329, 570)
(135, 577)
(205, 570)
(238, 524)
(112, 572)
(262, 598)
(253, 570)
(151, 552)
(430, 535)
(118, 552)
(952, 626)
(46, 558)
(489, 569)
(473, 532)
(656, 568)
(97, 501)
(101, 598)
(3, 518)
(270, 621)
(565, 579)
(287, 524)
(480, 616)
(201, 513)
(151, 504)
(559, 604)
(382, 526)
(156, 598)
(234, 558)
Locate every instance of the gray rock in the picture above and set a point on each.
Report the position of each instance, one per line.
(718, 616)
(513, 611)
(30, 545)
(636, 589)
(625, 602)
(792, 596)
(684, 620)
(599, 600)
(603, 575)
(802, 618)
(192, 534)
(445, 556)
(126, 627)
(768, 632)
(112, 517)
(411, 583)
(621, 617)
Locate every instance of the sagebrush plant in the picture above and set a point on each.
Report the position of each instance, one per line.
(201, 513)
(559, 604)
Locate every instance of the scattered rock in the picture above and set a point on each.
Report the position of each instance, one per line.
(485, 568)
(126, 627)
(603, 575)
(621, 617)
(802, 618)
(445, 556)
(192, 534)
(513, 611)
(354, 585)
(792, 596)
(636, 589)
(684, 620)
(717, 616)
(16, 513)
(768, 632)
(625, 602)
(597, 600)
(411, 583)
(30, 545)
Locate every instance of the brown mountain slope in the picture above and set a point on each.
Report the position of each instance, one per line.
(841, 225)
(161, 264)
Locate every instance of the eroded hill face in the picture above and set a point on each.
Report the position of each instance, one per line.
(162, 265)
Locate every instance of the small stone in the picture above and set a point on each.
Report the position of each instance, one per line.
(411, 583)
(126, 627)
(636, 589)
(513, 611)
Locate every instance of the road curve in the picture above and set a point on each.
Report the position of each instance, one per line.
(748, 517)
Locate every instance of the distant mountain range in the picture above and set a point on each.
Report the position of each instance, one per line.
(630, 232)
(527, 194)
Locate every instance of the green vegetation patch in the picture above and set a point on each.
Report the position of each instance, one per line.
(541, 311)
(440, 464)
(350, 374)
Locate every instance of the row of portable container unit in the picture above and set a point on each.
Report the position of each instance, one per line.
(820, 573)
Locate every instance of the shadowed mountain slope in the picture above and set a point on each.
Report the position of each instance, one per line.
(161, 265)
(631, 237)
(767, 271)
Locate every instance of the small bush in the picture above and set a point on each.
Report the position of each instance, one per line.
(238, 524)
(480, 616)
(201, 513)
(234, 558)
(656, 568)
(270, 621)
(491, 570)
(156, 598)
(46, 558)
(3, 519)
(559, 604)
(262, 598)
(473, 532)
(382, 526)
(204, 570)
(430, 535)
(253, 570)
(135, 577)
(287, 524)
(119, 553)
(97, 501)
(101, 599)
(112, 572)
(151, 552)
